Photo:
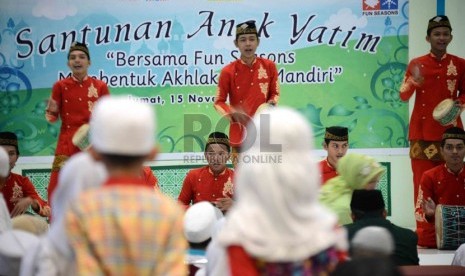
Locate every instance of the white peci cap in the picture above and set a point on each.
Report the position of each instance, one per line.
(200, 220)
(122, 126)
(375, 240)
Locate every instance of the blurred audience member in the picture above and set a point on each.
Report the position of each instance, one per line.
(371, 266)
(199, 223)
(216, 254)
(54, 254)
(459, 256)
(356, 171)
(14, 245)
(125, 227)
(372, 241)
(81, 139)
(276, 222)
(368, 209)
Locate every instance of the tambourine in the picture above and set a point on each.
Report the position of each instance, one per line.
(81, 137)
(264, 106)
(447, 112)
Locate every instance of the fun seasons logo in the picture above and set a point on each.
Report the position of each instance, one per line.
(380, 7)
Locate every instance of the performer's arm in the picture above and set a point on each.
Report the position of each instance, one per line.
(52, 111)
(187, 194)
(412, 80)
(461, 86)
(39, 205)
(273, 95)
(223, 89)
(425, 205)
(104, 90)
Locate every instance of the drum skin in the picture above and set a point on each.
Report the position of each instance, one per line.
(81, 137)
(446, 112)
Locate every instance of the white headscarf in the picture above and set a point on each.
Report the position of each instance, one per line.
(54, 255)
(4, 163)
(5, 219)
(14, 246)
(276, 215)
(81, 172)
(459, 256)
(216, 255)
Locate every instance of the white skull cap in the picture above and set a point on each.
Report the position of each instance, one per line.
(122, 126)
(200, 221)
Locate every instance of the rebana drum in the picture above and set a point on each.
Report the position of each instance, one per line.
(264, 106)
(446, 112)
(81, 137)
(450, 226)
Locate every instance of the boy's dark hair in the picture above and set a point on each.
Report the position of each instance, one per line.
(116, 160)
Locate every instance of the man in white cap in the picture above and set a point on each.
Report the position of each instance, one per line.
(125, 227)
(199, 223)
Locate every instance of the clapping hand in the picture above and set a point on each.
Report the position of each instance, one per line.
(21, 206)
(240, 117)
(224, 203)
(429, 207)
(416, 75)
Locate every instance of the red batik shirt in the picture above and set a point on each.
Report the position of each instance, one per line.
(201, 185)
(73, 102)
(443, 187)
(442, 79)
(246, 88)
(17, 187)
(327, 171)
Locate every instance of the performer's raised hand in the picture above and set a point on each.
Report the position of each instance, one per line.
(429, 207)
